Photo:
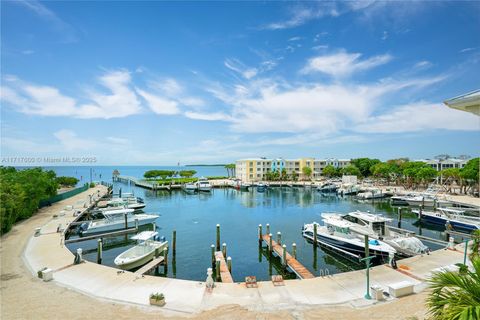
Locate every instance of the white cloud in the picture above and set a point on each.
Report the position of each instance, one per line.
(158, 104)
(422, 64)
(49, 101)
(467, 50)
(239, 67)
(213, 116)
(169, 87)
(385, 35)
(418, 117)
(70, 141)
(343, 64)
(300, 15)
(320, 47)
(295, 38)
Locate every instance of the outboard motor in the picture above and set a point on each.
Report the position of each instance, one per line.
(83, 227)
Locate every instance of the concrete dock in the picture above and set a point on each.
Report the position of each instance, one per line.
(190, 297)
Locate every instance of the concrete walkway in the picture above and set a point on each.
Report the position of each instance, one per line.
(190, 297)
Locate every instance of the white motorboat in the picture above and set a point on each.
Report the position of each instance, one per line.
(328, 188)
(115, 220)
(348, 190)
(454, 218)
(129, 203)
(336, 234)
(373, 193)
(190, 187)
(425, 200)
(141, 253)
(375, 226)
(203, 185)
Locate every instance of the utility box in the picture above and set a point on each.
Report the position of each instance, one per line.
(47, 274)
(376, 292)
(400, 289)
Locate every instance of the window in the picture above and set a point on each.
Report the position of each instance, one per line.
(251, 169)
(251, 164)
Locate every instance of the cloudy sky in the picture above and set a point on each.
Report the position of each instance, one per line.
(209, 82)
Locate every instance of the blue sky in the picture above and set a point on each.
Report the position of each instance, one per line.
(209, 82)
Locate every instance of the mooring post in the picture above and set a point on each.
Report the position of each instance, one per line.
(270, 245)
(218, 237)
(165, 256)
(279, 238)
(267, 228)
(315, 234)
(212, 247)
(224, 249)
(399, 217)
(229, 264)
(284, 255)
(217, 269)
(174, 243)
(136, 223)
(126, 221)
(260, 233)
(99, 250)
(294, 250)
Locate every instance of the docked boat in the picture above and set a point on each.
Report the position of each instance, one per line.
(336, 234)
(261, 187)
(425, 200)
(400, 200)
(203, 185)
(348, 190)
(373, 193)
(453, 218)
(141, 253)
(115, 220)
(328, 188)
(190, 187)
(376, 227)
(127, 202)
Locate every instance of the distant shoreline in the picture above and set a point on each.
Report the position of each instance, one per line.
(205, 165)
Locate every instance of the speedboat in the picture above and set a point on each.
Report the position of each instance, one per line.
(348, 190)
(336, 234)
(141, 253)
(453, 218)
(376, 227)
(328, 188)
(115, 220)
(203, 185)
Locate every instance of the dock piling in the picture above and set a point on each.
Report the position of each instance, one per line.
(218, 237)
(126, 221)
(294, 250)
(217, 269)
(136, 223)
(174, 243)
(212, 247)
(260, 233)
(224, 249)
(279, 238)
(99, 251)
(165, 256)
(229, 264)
(314, 235)
(284, 255)
(267, 228)
(270, 236)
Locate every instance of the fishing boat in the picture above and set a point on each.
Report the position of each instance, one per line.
(328, 188)
(336, 234)
(376, 227)
(424, 199)
(453, 218)
(115, 220)
(400, 200)
(141, 253)
(203, 185)
(348, 190)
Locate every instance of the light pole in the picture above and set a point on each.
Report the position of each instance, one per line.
(367, 263)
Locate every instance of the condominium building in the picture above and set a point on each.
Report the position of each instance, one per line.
(255, 169)
(442, 164)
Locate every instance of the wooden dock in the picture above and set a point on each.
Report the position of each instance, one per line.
(224, 273)
(293, 263)
(149, 266)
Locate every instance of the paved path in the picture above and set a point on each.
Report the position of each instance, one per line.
(189, 297)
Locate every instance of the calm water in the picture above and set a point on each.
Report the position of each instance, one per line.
(194, 217)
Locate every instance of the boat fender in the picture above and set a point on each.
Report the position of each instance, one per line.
(393, 263)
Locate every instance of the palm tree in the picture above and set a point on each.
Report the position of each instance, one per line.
(455, 295)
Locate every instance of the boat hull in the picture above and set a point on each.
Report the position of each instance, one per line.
(443, 221)
(142, 260)
(118, 225)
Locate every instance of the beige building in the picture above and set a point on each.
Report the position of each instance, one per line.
(255, 169)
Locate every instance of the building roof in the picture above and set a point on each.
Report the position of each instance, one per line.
(469, 102)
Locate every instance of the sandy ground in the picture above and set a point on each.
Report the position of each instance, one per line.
(24, 296)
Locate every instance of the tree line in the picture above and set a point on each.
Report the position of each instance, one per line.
(21, 192)
(164, 174)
